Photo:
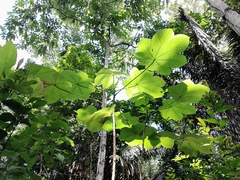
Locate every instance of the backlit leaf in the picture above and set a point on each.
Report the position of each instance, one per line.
(139, 134)
(187, 92)
(142, 99)
(106, 77)
(171, 109)
(122, 120)
(162, 52)
(166, 142)
(130, 134)
(94, 120)
(183, 95)
(52, 86)
(8, 57)
(81, 85)
(141, 81)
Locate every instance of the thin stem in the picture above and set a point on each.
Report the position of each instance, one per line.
(114, 141)
(114, 147)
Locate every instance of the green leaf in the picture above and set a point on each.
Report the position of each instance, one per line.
(142, 99)
(51, 85)
(94, 120)
(223, 122)
(14, 168)
(107, 126)
(3, 124)
(137, 134)
(16, 106)
(3, 134)
(195, 143)
(4, 94)
(168, 134)
(162, 52)
(42, 71)
(182, 95)
(126, 119)
(122, 120)
(82, 113)
(154, 139)
(29, 131)
(25, 156)
(32, 161)
(81, 85)
(141, 81)
(39, 103)
(7, 117)
(171, 109)
(219, 104)
(60, 124)
(8, 57)
(188, 92)
(224, 108)
(167, 139)
(210, 112)
(32, 69)
(60, 157)
(205, 102)
(166, 142)
(211, 120)
(138, 142)
(131, 134)
(25, 86)
(201, 122)
(106, 77)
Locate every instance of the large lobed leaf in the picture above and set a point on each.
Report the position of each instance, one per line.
(182, 97)
(192, 144)
(163, 51)
(122, 120)
(106, 77)
(137, 135)
(187, 92)
(141, 81)
(66, 85)
(81, 85)
(94, 119)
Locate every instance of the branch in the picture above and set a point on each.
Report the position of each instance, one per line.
(123, 43)
(78, 20)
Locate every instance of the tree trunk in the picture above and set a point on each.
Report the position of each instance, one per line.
(103, 139)
(221, 75)
(230, 16)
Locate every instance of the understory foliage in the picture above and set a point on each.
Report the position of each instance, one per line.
(39, 141)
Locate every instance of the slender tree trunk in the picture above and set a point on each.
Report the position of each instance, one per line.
(230, 16)
(103, 139)
(114, 148)
(91, 160)
(204, 39)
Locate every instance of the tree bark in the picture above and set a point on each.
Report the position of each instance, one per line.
(103, 139)
(229, 15)
(221, 75)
